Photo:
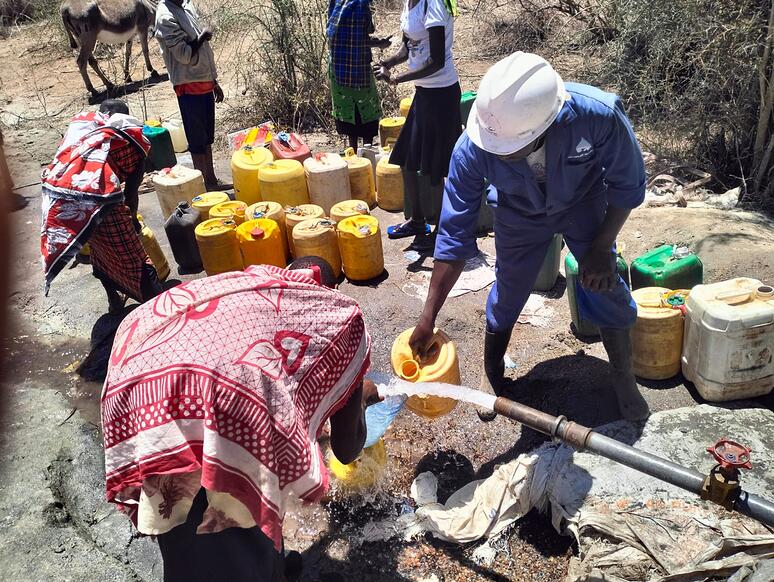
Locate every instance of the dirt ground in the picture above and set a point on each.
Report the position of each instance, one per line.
(51, 433)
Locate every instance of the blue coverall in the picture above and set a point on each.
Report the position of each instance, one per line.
(592, 161)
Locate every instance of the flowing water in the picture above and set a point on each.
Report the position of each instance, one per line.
(397, 387)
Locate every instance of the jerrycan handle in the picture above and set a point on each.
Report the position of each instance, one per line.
(432, 352)
(734, 296)
(349, 152)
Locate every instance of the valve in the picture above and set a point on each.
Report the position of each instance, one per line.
(722, 484)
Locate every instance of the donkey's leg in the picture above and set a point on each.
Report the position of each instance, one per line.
(94, 65)
(144, 44)
(127, 76)
(87, 42)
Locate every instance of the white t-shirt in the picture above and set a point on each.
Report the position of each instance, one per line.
(537, 163)
(414, 23)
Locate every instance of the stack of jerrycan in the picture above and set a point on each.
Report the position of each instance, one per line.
(245, 168)
(389, 129)
(441, 365)
(289, 146)
(203, 202)
(657, 336)
(175, 185)
(549, 271)
(327, 178)
(218, 246)
(360, 246)
(728, 349)
(180, 228)
(295, 215)
(151, 245)
(583, 327)
(316, 237)
(284, 182)
(667, 266)
(362, 178)
(261, 243)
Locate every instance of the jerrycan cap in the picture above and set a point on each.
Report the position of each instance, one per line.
(183, 204)
(257, 233)
(765, 292)
(681, 252)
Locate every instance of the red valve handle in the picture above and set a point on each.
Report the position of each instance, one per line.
(731, 455)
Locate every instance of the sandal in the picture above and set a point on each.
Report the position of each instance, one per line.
(407, 229)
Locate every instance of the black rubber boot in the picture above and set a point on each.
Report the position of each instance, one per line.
(492, 376)
(618, 345)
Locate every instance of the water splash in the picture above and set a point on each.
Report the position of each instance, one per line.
(398, 387)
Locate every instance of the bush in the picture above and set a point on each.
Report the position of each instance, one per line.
(282, 62)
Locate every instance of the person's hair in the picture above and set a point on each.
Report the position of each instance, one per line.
(113, 106)
(327, 276)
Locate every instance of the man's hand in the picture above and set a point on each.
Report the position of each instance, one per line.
(597, 269)
(422, 339)
(218, 90)
(382, 73)
(370, 393)
(206, 35)
(381, 43)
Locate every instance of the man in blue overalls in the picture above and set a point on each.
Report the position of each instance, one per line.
(561, 158)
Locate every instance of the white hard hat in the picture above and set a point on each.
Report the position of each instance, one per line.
(518, 99)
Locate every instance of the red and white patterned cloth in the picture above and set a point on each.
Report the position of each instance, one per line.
(225, 383)
(84, 180)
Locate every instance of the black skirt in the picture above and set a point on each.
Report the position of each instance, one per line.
(432, 128)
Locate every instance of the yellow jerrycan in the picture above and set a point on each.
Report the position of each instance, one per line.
(245, 168)
(151, 245)
(175, 185)
(389, 129)
(316, 237)
(203, 202)
(218, 246)
(233, 209)
(441, 365)
(405, 105)
(261, 243)
(657, 336)
(389, 185)
(348, 208)
(360, 245)
(363, 472)
(284, 181)
(362, 183)
(273, 211)
(297, 214)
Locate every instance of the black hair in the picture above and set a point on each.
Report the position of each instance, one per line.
(326, 271)
(113, 106)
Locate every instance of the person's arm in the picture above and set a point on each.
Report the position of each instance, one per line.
(456, 238)
(176, 41)
(131, 192)
(400, 57)
(348, 428)
(625, 177)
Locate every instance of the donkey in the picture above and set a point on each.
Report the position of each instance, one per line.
(110, 22)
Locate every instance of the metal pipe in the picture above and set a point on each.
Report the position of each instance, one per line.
(584, 438)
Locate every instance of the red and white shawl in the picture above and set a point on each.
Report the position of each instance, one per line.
(80, 183)
(232, 376)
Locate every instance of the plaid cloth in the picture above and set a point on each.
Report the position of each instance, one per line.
(349, 24)
(124, 158)
(117, 253)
